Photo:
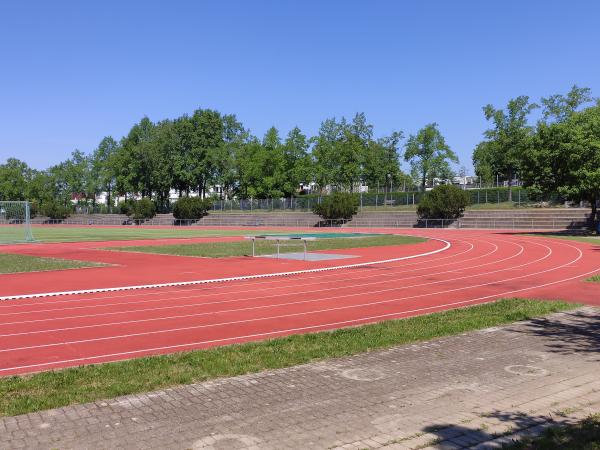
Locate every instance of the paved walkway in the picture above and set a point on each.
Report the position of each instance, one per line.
(477, 389)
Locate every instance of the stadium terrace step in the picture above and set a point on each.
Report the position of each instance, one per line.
(564, 218)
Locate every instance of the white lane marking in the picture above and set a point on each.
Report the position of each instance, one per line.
(220, 280)
(293, 330)
(168, 297)
(282, 316)
(243, 299)
(320, 276)
(298, 302)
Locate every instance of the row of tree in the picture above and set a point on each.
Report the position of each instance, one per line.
(208, 149)
(560, 153)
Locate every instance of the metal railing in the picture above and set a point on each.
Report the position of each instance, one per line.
(363, 222)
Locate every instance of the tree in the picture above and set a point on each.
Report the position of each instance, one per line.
(565, 158)
(429, 155)
(102, 167)
(340, 151)
(297, 162)
(506, 141)
(560, 107)
(15, 175)
(382, 165)
(261, 167)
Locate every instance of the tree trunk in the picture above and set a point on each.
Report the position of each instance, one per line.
(510, 177)
(594, 217)
(423, 181)
(108, 204)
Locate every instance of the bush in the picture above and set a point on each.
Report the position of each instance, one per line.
(193, 208)
(443, 202)
(143, 209)
(55, 210)
(138, 210)
(126, 207)
(337, 206)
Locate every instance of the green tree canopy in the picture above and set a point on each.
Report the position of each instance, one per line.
(507, 140)
(565, 158)
(429, 155)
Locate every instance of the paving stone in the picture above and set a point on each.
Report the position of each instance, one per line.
(449, 393)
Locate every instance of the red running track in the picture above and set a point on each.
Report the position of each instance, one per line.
(480, 266)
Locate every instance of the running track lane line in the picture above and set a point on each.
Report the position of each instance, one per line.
(250, 283)
(220, 280)
(243, 299)
(294, 330)
(304, 313)
(251, 308)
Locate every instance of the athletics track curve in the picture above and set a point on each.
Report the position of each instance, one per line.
(479, 266)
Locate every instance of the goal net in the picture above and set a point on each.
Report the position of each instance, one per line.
(15, 222)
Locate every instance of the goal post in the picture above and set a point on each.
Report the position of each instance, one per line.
(15, 222)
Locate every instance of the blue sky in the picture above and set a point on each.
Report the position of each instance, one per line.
(73, 72)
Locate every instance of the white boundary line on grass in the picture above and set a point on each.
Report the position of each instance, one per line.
(220, 280)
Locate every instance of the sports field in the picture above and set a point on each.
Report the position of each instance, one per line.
(76, 233)
(142, 304)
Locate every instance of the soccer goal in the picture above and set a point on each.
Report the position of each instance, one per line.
(15, 222)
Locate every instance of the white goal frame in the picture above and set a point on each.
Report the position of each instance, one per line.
(14, 214)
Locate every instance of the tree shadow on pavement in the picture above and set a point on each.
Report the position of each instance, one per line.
(576, 332)
(507, 429)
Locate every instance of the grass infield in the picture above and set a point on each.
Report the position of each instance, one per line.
(68, 233)
(24, 263)
(24, 394)
(241, 248)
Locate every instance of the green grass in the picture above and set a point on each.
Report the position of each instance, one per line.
(595, 279)
(584, 435)
(240, 248)
(588, 239)
(64, 233)
(23, 394)
(24, 263)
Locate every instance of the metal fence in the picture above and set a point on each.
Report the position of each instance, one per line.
(222, 220)
(369, 200)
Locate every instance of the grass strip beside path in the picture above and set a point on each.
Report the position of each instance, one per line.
(241, 248)
(583, 435)
(23, 394)
(10, 263)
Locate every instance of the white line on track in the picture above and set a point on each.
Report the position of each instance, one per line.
(290, 330)
(249, 299)
(197, 296)
(220, 280)
(362, 305)
(321, 276)
(224, 287)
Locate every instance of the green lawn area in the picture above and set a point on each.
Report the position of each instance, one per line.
(63, 233)
(585, 436)
(23, 394)
(240, 248)
(595, 278)
(24, 263)
(588, 239)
